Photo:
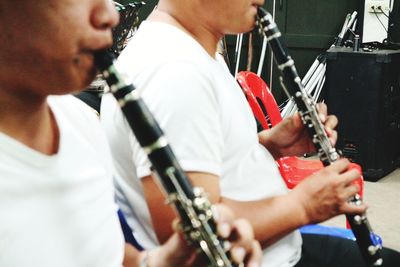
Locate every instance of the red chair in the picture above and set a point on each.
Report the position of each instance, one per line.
(265, 109)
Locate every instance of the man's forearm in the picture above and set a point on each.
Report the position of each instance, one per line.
(271, 218)
(266, 139)
(132, 257)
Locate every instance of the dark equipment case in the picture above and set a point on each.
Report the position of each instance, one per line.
(363, 90)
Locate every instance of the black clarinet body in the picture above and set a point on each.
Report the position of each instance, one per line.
(192, 206)
(291, 82)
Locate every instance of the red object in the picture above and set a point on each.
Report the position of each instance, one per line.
(293, 169)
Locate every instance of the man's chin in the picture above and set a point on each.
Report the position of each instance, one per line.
(81, 83)
(89, 79)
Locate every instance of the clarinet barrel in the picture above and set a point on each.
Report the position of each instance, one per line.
(291, 83)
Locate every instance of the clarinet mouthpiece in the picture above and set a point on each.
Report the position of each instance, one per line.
(103, 59)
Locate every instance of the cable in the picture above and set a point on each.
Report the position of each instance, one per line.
(383, 12)
(383, 25)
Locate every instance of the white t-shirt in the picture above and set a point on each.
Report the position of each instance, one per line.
(59, 210)
(206, 119)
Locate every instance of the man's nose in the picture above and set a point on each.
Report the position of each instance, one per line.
(105, 16)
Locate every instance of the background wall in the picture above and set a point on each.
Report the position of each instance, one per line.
(309, 28)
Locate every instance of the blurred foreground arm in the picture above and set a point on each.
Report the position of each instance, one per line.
(176, 251)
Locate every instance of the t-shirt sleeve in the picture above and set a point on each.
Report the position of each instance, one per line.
(182, 98)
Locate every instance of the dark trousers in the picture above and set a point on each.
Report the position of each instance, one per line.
(328, 251)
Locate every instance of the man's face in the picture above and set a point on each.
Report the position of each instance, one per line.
(47, 46)
(230, 16)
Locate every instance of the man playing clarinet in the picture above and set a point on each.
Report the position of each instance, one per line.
(172, 60)
(56, 192)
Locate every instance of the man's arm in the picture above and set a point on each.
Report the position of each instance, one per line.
(318, 198)
(271, 218)
(162, 214)
(177, 252)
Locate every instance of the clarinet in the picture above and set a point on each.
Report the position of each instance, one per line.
(291, 83)
(193, 207)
